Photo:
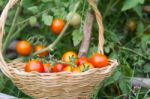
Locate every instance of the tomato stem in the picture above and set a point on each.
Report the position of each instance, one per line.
(12, 28)
(51, 46)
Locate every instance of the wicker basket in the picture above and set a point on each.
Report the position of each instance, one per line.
(62, 85)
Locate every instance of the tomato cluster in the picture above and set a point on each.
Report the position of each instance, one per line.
(24, 48)
(69, 63)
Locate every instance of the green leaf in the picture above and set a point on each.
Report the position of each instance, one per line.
(123, 84)
(138, 10)
(140, 28)
(128, 4)
(33, 9)
(27, 3)
(47, 1)
(115, 77)
(92, 50)
(77, 37)
(147, 68)
(141, 1)
(47, 19)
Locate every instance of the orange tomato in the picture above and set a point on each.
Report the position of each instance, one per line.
(99, 60)
(57, 26)
(38, 48)
(76, 70)
(34, 65)
(86, 66)
(68, 56)
(68, 68)
(23, 48)
(47, 67)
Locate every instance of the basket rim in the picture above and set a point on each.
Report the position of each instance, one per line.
(90, 71)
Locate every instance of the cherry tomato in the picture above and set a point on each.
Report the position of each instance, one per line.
(47, 67)
(68, 68)
(132, 25)
(76, 70)
(57, 26)
(23, 48)
(81, 60)
(99, 60)
(57, 68)
(86, 66)
(75, 20)
(34, 65)
(39, 47)
(69, 56)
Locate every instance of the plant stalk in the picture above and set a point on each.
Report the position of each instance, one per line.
(51, 46)
(12, 28)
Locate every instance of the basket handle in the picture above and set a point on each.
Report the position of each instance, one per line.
(3, 17)
(97, 13)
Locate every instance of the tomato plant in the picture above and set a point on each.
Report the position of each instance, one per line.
(57, 26)
(23, 48)
(34, 65)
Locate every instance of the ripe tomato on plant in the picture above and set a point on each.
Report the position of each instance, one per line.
(86, 66)
(69, 56)
(23, 48)
(47, 67)
(34, 65)
(57, 68)
(99, 60)
(68, 68)
(57, 26)
(81, 60)
(38, 48)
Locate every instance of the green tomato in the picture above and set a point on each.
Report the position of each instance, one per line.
(33, 21)
(132, 25)
(75, 19)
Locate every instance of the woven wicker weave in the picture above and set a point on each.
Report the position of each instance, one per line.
(62, 85)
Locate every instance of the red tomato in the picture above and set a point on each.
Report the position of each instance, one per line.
(68, 56)
(34, 65)
(57, 68)
(57, 26)
(47, 67)
(40, 47)
(23, 48)
(99, 60)
(81, 60)
(68, 68)
(86, 66)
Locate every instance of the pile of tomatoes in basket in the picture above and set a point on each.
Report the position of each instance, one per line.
(69, 61)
